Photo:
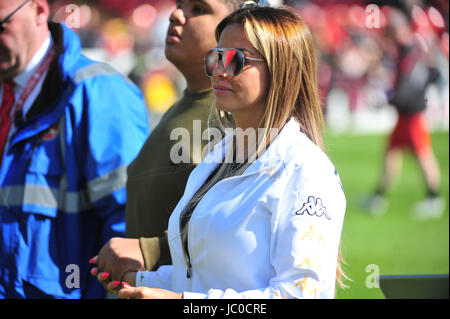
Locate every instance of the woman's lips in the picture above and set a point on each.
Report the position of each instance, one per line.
(221, 89)
(172, 39)
(173, 36)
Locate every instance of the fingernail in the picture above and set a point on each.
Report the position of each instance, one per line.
(92, 260)
(125, 284)
(94, 271)
(115, 283)
(105, 275)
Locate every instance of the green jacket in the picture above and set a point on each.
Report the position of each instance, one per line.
(155, 184)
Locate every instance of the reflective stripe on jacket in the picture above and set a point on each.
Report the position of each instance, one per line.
(63, 176)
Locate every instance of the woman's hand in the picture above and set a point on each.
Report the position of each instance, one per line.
(128, 292)
(124, 289)
(111, 286)
(118, 256)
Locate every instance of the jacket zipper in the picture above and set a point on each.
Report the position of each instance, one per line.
(188, 271)
(186, 251)
(188, 257)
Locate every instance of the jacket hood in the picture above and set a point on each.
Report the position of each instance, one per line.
(67, 56)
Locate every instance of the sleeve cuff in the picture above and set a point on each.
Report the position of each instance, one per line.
(142, 279)
(193, 295)
(155, 279)
(150, 251)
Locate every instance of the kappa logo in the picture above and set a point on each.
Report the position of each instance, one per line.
(313, 207)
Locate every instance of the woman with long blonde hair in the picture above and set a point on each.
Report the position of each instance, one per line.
(266, 224)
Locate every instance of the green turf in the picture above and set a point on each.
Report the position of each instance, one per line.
(395, 242)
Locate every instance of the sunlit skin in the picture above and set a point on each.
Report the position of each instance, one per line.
(23, 35)
(191, 35)
(243, 95)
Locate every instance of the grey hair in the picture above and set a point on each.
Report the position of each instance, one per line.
(237, 4)
(263, 3)
(234, 4)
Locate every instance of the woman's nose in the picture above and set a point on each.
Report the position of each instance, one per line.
(219, 70)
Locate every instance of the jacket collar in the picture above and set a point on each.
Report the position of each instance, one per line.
(22, 79)
(57, 86)
(56, 78)
(274, 156)
(270, 162)
(276, 151)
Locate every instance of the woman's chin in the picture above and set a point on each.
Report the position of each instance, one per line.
(224, 104)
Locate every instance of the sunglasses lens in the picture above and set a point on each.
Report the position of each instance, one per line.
(211, 62)
(233, 61)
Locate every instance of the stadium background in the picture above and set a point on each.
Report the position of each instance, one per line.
(355, 73)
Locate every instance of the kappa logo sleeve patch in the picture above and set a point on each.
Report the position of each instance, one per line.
(313, 207)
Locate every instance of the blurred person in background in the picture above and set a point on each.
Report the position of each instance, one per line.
(69, 129)
(411, 132)
(155, 183)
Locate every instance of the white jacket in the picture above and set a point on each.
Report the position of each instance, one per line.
(273, 232)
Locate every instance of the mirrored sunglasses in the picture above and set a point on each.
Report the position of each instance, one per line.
(233, 61)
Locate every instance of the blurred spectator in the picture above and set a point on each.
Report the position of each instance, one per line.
(414, 74)
(356, 55)
(358, 58)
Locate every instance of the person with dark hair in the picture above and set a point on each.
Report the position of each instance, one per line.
(69, 127)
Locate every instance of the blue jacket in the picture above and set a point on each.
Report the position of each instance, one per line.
(63, 176)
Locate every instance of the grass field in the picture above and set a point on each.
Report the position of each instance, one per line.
(395, 242)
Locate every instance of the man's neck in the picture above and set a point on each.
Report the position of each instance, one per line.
(36, 57)
(194, 86)
(195, 81)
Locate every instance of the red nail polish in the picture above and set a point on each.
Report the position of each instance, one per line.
(94, 271)
(105, 275)
(116, 283)
(125, 284)
(92, 260)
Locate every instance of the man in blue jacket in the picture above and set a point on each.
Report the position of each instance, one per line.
(69, 127)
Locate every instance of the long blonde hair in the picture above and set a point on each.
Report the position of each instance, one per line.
(286, 44)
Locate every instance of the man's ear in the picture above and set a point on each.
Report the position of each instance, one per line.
(42, 11)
